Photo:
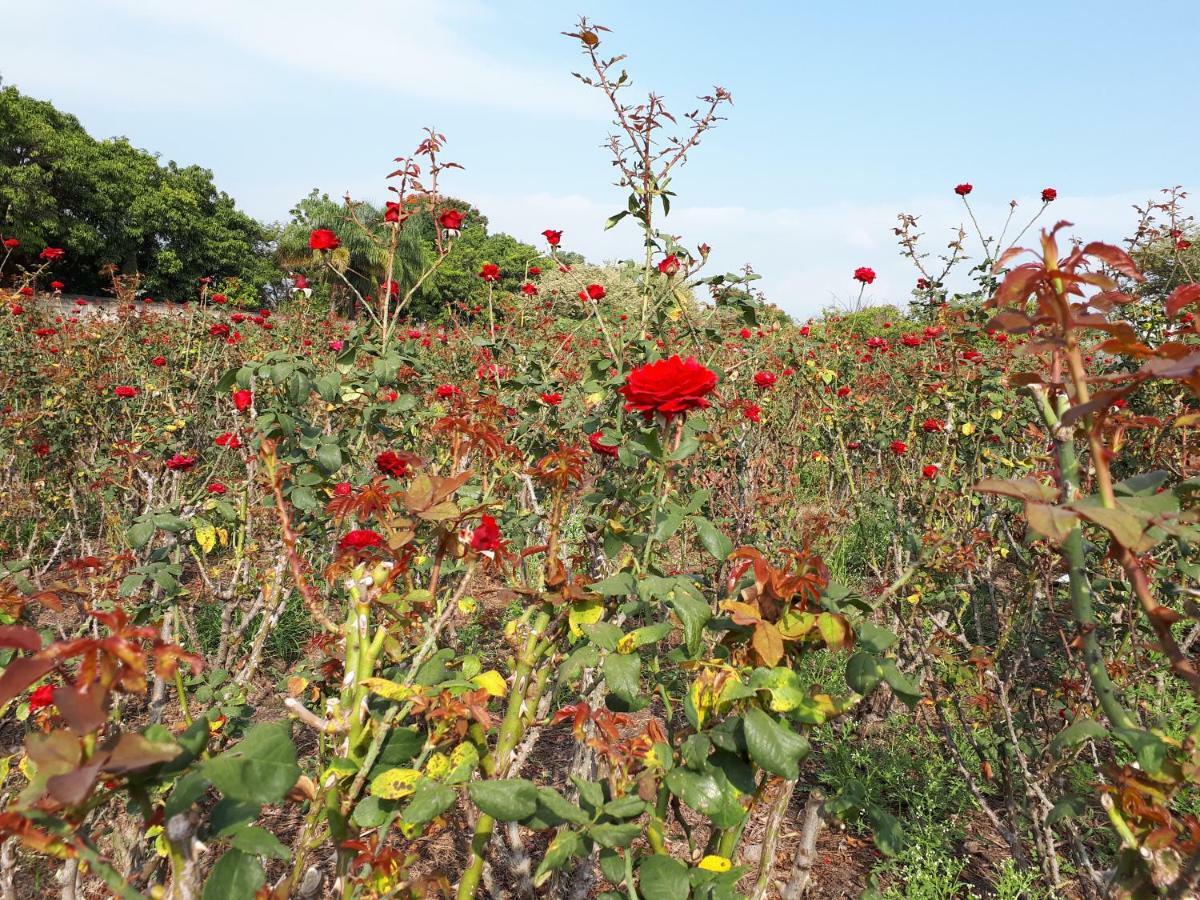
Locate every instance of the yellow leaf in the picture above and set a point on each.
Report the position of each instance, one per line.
(394, 783)
(492, 682)
(715, 863)
(389, 690)
(586, 613)
(968, 428)
(437, 766)
(206, 537)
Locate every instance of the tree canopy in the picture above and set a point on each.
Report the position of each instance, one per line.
(106, 201)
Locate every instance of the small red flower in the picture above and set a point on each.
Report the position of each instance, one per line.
(843, 391)
(529, 289)
(219, 299)
(534, 271)
(180, 463)
(752, 411)
(930, 471)
(899, 447)
(592, 292)
(594, 441)
(343, 489)
(323, 239)
(669, 266)
(391, 211)
(669, 386)
(57, 286)
(216, 488)
(451, 220)
(11, 244)
(486, 536)
(490, 272)
(765, 379)
(360, 539)
(41, 698)
(864, 274)
(552, 237)
(228, 439)
(1049, 195)
(744, 334)
(52, 253)
(446, 391)
(242, 399)
(932, 426)
(963, 189)
(158, 361)
(299, 283)
(551, 399)
(389, 462)
(125, 391)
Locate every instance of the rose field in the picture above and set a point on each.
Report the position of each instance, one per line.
(378, 554)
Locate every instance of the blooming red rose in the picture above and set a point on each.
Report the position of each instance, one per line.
(592, 292)
(219, 329)
(669, 386)
(337, 346)
(52, 253)
(219, 299)
(911, 340)
(931, 426)
(216, 488)
(529, 289)
(843, 391)
(389, 462)
(391, 211)
(125, 391)
(899, 447)
(451, 220)
(227, 439)
(26, 291)
(669, 265)
(158, 361)
(930, 471)
(486, 536)
(343, 489)
(16, 310)
(765, 379)
(446, 391)
(1049, 195)
(323, 239)
(11, 243)
(41, 698)
(299, 283)
(57, 286)
(552, 237)
(963, 189)
(490, 272)
(180, 462)
(551, 399)
(752, 411)
(534, 271)
(595, 442)
(359, 539)
(744, 334)
(242, 400)
(864, 274)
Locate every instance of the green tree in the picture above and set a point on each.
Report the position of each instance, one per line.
(109, 202)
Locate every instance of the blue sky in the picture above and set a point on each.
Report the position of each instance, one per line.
(843, 116)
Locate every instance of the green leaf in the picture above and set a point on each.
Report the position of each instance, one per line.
(873, 638)
(614, 219)
(187, 791)
(566, 844)
(1148, 748)
(889, 836)
(603, 634)
(900, 683)
(260, 842)
(694, 613)
(582, 658)
(663, 878)
(625, 807)
(329, 457)
(615, 585)
(1076, 733)
(1069, 807)
(610, 835)
(236, 876)
(668, 523)
(260, 768)
(429, 801)
(506, 800)
(705, 794)
(773, 747)
(713, 539)
(863, 672)
(622, 675)
(139, 534)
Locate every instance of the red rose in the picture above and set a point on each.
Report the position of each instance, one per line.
(669, 386)
(16, 310)
(1049, 195)
(219, 299)
(323, 239)
(216, 488)
(744, 334)
(343, 489)
(899, 447)
(551, 399)
(299, 283)
(765, 379)
(931, 426)
(752, 411)
(389, 462)
(552, 237)
(158, 361)
(227, 439)
(592, 292)
(359, 539)
(594, 440)
(490, 272)
(843, 391)
(669, 266)
(242, 400)
(864, 274)
(486, 536)
(41, 698)
(11, 244)
(446, 391)
(534, 271)
(963, 189)
(26, 291)
(125, 392)
(529, 290)
(220, 329)
(391, 211)
(930, 471)
(911, 340)
(180, 463)
(57, 286)
(52, 253)
(337, 345)
(451, 220)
